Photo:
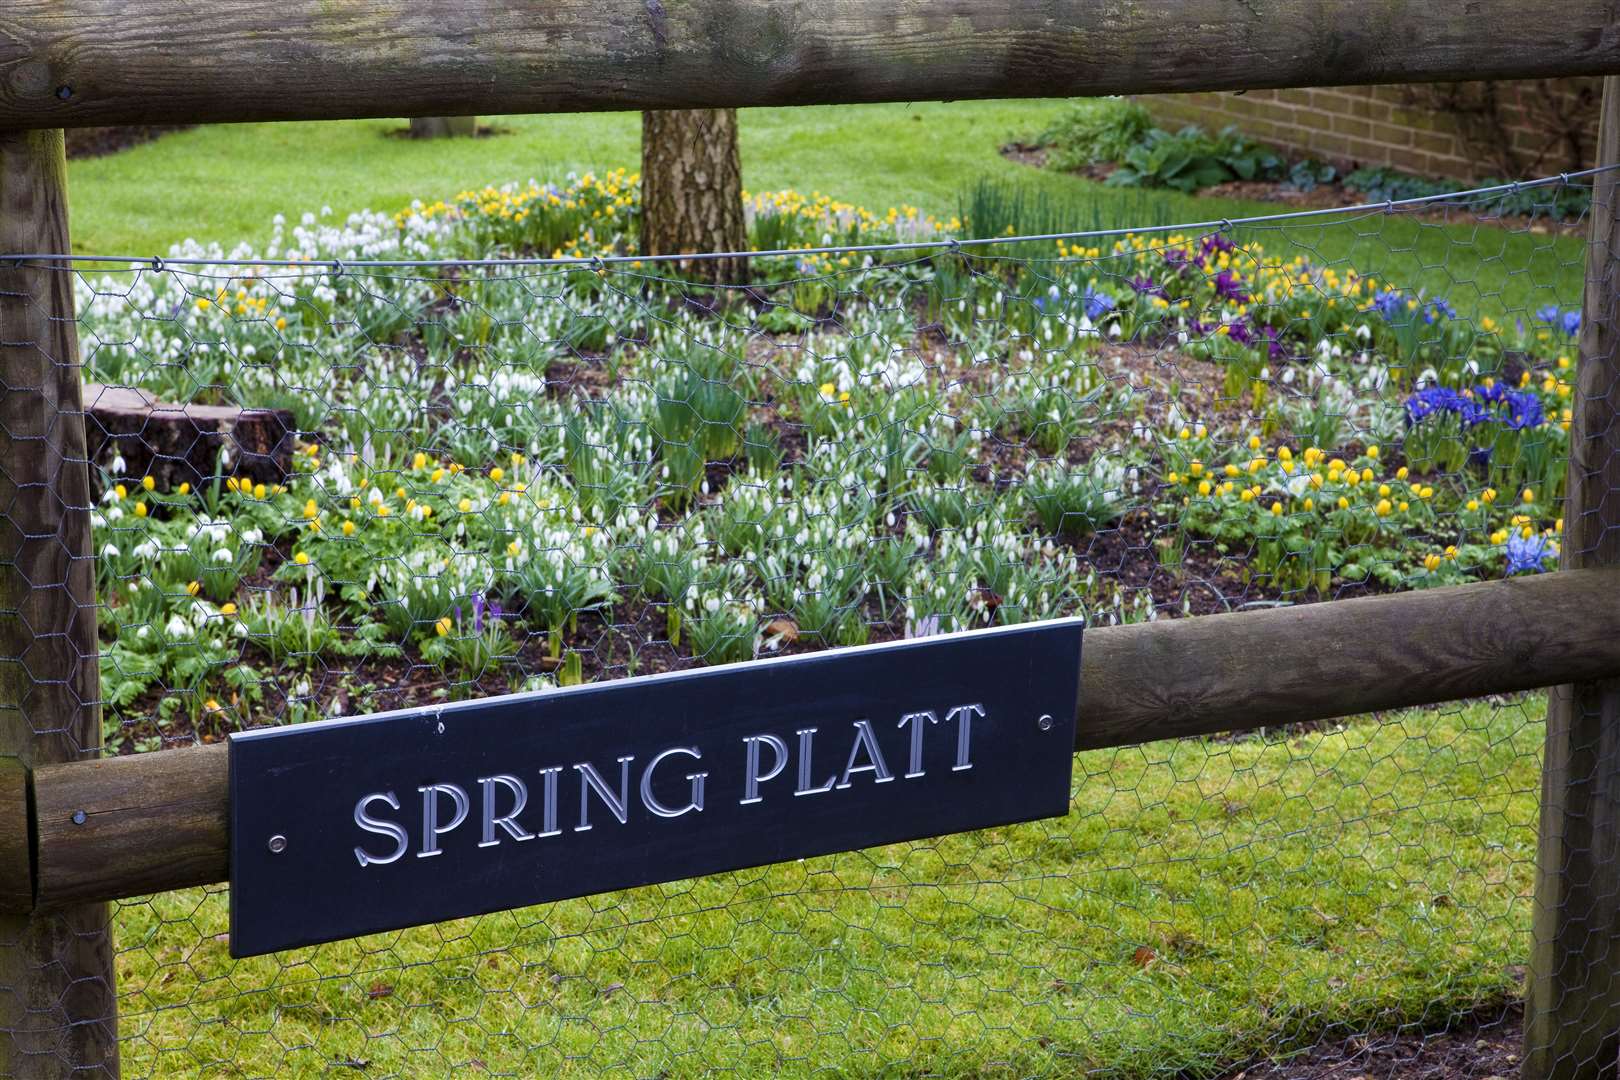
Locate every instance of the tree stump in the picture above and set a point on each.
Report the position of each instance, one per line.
(189, 444)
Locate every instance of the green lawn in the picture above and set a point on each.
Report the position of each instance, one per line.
(224, 183)
(1203, 902)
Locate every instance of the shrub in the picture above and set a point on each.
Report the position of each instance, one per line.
(1095, 130)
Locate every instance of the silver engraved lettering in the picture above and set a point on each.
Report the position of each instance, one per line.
(806, 738)
(431, 829)
(520, 799)
(751, 775)
(964, 733)
(548, 817)
(402, 839)
(866, 738)
(696, 779)
(590, 779)
(914, 767)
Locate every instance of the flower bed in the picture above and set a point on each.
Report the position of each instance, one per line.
(515, 475)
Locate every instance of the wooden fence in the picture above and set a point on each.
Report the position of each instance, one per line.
(77, 830)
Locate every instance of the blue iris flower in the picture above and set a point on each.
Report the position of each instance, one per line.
(1524, 410)
(1567, 321)
(1527, 554)
(1097, 303)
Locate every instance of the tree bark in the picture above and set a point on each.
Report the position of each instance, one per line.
(443, 127)
(691, 190)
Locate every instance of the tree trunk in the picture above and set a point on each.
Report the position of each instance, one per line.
(443, 127)
(691, 190)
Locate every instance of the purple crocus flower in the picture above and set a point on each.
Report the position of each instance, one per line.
(1227, 287)
(478, 613)
(1146, 286)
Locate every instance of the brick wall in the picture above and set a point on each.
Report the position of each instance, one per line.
(1401, 127)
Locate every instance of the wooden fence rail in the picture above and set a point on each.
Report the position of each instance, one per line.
(130, 826)
(155, 61)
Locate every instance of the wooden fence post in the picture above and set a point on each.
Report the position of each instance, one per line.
(1572, 999)
(58, 1003)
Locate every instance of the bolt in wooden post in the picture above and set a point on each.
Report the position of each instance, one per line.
(58, 1005)
(1572, 1006)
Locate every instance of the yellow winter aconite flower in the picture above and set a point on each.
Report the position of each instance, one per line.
(1174, 477)
(348, 528)
(513, 548)
(193, 588)
(1247, 496)
(438, 474)
(1203, 487)
(140, 509)
(419, 460)
(1344, 503)
(465, 506)
(1383, 508)
(1195, 469)
(1372, 452)
(1310, 503)
(497, 474)
(1401, 473)
(1473, 504)
(1276, 509)
(148, 483)
(1254, 442)
(302, 558)
(1431, 562)
(1232, 470)
(1528, 495)
(1383, 489)
(258, 491)
(121, 491)
(1488, 496)
(442, 627)
(227, 609)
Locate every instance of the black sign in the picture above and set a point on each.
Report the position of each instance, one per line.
(349, 827)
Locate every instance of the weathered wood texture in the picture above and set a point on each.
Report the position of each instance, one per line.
(158, 821)
(1572, 1007)
(58, 1009)
(178, 444)
(152, 61)
(16, 857)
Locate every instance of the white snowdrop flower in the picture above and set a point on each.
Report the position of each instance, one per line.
(223, 555)
(110, 551)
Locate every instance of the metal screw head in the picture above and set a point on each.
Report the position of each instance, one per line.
(278, 844)
(1045, 722)
(80, 817)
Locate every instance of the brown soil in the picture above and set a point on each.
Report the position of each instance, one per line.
(1484, 1046)
(92, 142)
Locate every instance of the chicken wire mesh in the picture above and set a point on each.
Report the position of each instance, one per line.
(384, 462)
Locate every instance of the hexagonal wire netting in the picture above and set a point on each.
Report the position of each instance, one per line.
(414, 468)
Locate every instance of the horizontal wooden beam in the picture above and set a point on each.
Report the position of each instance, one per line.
(159, 61)
(135, 825)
